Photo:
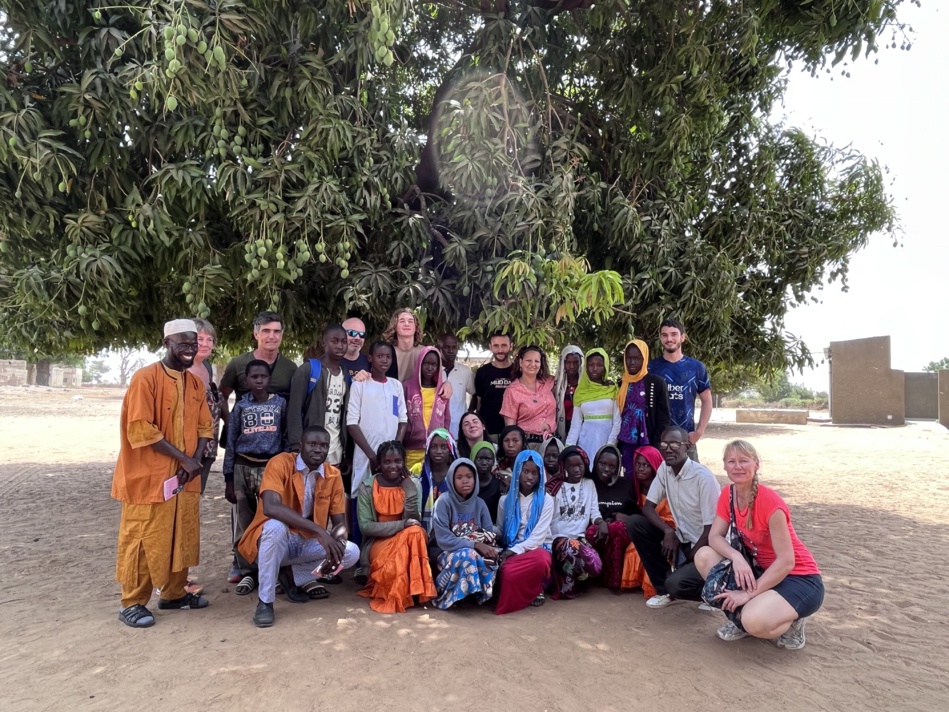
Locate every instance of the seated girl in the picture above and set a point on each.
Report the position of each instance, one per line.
(550, 451)
(575, 508)
(646, 461)
(511, 442)
(524, 517)
(615, 495)
(433, 471)
(775, 600)
(489, 486)
(394, 543)
(465, 535)
(470, 432)
(425, 409)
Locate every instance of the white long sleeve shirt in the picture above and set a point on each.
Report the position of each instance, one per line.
(541, 532)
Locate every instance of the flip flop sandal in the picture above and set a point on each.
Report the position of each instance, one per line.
(194, 587)
(315, 590)
(332, 580)
(539, 601)
(246, 586)
(137, 616)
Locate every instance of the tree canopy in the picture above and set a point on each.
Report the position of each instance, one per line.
(562, 169)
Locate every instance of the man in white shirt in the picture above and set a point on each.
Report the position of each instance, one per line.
(461, 379)
(667, 553)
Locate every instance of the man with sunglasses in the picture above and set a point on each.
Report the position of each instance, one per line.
(165, 427)
(667, 553)
(354, 359)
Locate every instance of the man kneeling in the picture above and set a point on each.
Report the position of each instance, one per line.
(300, 495)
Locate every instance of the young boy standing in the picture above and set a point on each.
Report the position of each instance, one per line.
(319, 395)
(376, 412)
(257, 432)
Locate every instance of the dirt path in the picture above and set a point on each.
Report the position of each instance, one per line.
(872, 504)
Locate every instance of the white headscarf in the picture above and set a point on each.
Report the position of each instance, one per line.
(560, 386)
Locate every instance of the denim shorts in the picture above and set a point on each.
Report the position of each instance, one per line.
(804, 593)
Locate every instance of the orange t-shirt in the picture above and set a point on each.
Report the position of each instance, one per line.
(159, 403)
(282, 476)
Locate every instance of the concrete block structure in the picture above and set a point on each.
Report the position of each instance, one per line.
(943, 379)
(782, 416)
(921, 396)
(864, 389)
(13, 373)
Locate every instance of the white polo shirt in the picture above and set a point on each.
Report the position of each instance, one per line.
(693, 497)
(462, 388)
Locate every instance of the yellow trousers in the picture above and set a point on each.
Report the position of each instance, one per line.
(157, 544)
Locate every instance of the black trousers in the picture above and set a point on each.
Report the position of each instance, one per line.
(684, 583)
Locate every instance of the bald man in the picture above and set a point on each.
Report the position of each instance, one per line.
(355, 360)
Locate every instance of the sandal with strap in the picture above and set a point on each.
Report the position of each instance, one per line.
(187, 602)
(293, 594)
(315, 590)
(246, 586)
(137, 616)
(539, 601)
(332, 580)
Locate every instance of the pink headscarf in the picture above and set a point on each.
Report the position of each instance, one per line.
(653, 457)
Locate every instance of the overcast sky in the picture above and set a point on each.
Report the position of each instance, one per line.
(895, 111)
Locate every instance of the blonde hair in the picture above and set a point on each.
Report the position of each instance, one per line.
(390, 333)
(743, 447)
(204, 326)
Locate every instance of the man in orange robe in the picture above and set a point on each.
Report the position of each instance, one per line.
(165, 425)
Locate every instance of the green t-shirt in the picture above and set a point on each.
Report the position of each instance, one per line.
(281, 373)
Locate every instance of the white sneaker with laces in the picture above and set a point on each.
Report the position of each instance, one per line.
(660, 600)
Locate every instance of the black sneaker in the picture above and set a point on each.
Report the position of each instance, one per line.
(186, 602)
(263, 616)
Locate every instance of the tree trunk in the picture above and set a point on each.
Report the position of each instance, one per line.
(44, 370)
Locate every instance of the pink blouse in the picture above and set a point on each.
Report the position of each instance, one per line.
(531, 411)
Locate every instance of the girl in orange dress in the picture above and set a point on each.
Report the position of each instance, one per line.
(395, 546)
(646, 460)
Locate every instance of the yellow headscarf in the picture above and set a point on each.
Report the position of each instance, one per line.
(628, 377)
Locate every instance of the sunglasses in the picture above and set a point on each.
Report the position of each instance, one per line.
(352, 333)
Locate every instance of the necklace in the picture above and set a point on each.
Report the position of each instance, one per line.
(569, 509)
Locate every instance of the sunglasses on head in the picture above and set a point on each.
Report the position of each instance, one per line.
(355, 334)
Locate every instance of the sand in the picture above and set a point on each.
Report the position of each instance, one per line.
(871, 504)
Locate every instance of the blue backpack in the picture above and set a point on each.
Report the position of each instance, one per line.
(316, 369)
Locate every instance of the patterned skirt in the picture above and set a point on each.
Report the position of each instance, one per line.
(573, 560)
(463, 573)
(612, 552)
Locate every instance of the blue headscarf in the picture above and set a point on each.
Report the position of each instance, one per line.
(512, 502)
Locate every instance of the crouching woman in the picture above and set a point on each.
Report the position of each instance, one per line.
(761, 575)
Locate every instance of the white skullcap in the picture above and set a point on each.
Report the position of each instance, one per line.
(179, 326)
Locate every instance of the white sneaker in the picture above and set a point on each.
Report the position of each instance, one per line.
(660, 600)
(730, 632)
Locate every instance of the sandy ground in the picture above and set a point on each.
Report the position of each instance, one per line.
(870, 503)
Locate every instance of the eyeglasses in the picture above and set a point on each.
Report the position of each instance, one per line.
(352, 333)
(674, 445)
